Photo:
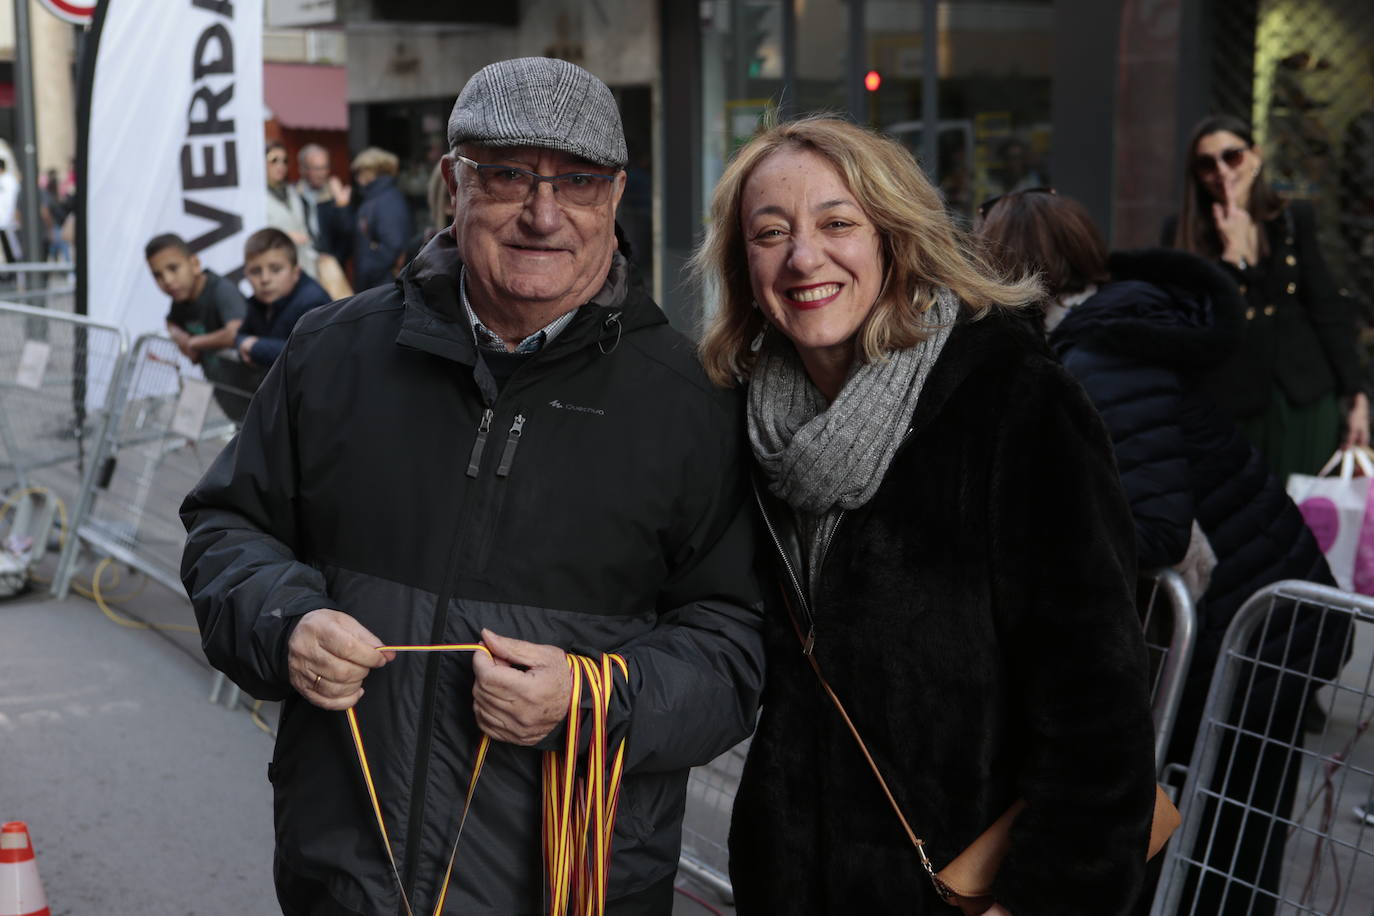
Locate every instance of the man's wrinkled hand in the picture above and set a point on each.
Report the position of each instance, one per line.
(522, 691)
(329, 655)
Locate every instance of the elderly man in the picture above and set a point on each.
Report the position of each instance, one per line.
(326, 202)
(507, 445)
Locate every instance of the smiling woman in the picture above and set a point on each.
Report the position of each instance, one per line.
(924, 469)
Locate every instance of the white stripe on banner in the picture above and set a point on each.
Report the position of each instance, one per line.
(175, 145)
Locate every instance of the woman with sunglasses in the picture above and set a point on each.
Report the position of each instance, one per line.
(950, 551)
(286, 209)
(1139, 330)
(1297, 353)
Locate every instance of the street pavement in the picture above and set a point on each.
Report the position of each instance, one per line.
(140, 796)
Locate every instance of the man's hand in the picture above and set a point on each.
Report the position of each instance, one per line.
(341, 192)
(522, 690)
(329, 655)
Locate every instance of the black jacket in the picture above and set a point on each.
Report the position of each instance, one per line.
(1297, 329)
(382, 227)
(618, 523)
(976, 617)
(1141, 349)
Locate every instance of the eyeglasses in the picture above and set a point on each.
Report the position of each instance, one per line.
(1204, 164)
(986, 206)
(508, 183)
(275, 160)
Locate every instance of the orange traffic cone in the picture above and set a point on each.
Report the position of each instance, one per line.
(21, 893)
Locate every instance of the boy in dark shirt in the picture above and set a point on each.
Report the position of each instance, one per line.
(206, 308)
(281, 295)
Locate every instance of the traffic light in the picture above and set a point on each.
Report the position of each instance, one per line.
(756, 33)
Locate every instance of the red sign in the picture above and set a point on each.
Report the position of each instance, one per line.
(77, 12)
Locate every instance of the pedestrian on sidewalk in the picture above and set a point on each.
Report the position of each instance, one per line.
(506, 444)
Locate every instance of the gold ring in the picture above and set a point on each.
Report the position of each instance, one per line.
(318, 677)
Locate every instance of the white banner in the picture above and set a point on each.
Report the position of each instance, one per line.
(174, 144)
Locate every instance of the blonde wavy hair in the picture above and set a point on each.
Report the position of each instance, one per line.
(922, 248)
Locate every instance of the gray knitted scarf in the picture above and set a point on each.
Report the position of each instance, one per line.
(818, 458)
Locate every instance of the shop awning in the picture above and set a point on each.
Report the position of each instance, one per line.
(307, 96)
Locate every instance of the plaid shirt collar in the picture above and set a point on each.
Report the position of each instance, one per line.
(489, 340)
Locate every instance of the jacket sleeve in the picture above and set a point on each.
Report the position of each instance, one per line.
(240, 565)
(1139, 405)
(695, 680)
(1331, 313)
(267, 349)
(1075, 659)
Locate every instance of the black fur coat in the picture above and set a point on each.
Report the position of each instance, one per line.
(977, 620)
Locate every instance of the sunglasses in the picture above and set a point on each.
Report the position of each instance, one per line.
(986, 206)
(1204, 164)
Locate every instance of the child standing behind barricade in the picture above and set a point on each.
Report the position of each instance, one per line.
(206, 309)
(282, 293)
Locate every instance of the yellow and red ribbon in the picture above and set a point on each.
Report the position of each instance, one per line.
(577, 865)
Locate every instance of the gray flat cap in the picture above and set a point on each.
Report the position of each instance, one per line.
(539, 101)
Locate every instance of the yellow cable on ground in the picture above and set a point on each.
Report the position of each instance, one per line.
(99, 598)
(576, 864)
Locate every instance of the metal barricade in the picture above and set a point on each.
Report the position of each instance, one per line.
(57, 372)
(168, 424)
(167, 427)
(1170, 622)
(45, 285)
(1267, 823)
(706, 823)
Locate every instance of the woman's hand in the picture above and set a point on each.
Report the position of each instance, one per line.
(1239, 236)
(1357, 422)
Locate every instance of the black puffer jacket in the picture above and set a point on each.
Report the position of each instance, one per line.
(1142, 348)
(615, 521)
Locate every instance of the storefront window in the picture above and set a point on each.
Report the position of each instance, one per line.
(993, 69)
(994, 65)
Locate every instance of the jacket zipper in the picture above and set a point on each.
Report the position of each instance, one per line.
(809, 645)
(424, 739)
(512, 441)
(475, 459)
